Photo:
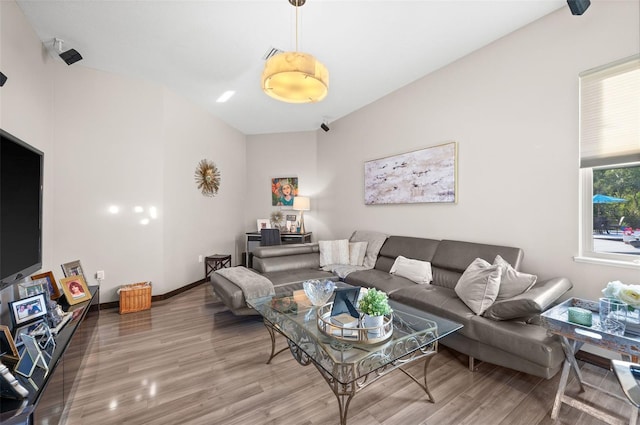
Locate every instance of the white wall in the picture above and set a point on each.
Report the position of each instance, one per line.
(113, 140)
(280, 155)
(513, 109)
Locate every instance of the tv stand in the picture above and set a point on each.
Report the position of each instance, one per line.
(46, 405)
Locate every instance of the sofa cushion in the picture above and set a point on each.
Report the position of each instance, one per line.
(437, 300)
(479, 285)
(378, 279)
(415, 270)
(374, 243)
(512, 282)
(334, 252)
(357, 251)
(457, 255)
(410, 247)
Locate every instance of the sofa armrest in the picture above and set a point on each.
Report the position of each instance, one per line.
(536, 300)
(269, 259)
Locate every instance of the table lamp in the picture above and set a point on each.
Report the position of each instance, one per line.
(302, 204)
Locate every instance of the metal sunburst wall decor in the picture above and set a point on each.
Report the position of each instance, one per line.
(208, 178)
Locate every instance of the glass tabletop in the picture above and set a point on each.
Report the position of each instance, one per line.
(295, 318)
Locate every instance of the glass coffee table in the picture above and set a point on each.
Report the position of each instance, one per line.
(348, 368)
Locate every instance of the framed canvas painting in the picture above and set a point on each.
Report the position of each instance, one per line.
(422, 176)
(283, 190)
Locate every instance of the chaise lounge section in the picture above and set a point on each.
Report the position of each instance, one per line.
(507, 333)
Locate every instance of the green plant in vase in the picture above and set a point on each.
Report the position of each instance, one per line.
(375, 305)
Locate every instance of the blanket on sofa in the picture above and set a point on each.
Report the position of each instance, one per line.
(252, 284)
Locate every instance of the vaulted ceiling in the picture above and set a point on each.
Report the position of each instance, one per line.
(204, 48)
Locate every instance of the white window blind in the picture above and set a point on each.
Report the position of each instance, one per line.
(610, 114)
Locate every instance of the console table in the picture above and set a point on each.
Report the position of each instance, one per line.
(46, 404)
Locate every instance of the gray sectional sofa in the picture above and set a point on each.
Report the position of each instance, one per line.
(506, 334)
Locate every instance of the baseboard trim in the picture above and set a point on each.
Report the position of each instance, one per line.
(593, 359)
(161, 297)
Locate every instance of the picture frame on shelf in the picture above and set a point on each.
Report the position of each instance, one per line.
(75, 289)
(54, 292)
(263, 223)
(32, 287)
(7, 344)
(28, 309)
(291, 223)
(25, 330)
(73, 268)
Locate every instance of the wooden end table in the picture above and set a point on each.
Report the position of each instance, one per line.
(215, 262)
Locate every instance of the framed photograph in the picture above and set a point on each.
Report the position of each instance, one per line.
(25, 330)
(283, 190)
(425, 175)
(54, 292)
(7, 344)
(33, 287)
(72, 269)
(75, 289)
(263, 223)
(28, 309)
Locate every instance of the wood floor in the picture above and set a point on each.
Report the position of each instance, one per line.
(190, 361)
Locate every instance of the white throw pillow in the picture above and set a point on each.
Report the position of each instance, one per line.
(357, 251)
(414, 270)
(512, 282)
(334, 252)
(479, 285)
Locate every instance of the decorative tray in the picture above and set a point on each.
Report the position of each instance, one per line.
(354, 332)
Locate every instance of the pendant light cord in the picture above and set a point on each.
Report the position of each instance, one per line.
(296, 26)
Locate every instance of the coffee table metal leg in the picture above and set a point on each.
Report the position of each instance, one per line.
(424, 386)
(272, 333)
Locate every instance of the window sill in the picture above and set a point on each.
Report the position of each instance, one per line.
(627, 264)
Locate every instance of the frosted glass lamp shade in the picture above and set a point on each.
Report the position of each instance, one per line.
(295, 77)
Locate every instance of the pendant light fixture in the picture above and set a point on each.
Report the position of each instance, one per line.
(295, 77)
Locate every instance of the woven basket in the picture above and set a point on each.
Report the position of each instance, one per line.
(135, 297)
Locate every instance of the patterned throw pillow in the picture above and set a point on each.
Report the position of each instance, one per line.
(334, 252)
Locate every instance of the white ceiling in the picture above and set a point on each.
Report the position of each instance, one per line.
(204, 48)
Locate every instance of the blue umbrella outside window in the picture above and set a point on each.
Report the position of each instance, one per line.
(604, 199)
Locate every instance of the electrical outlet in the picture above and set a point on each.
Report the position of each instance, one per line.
(100, 275)
(200, 259)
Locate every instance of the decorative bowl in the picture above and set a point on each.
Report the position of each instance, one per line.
(319, 291)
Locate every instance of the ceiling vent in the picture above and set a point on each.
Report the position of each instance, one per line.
(271, 53)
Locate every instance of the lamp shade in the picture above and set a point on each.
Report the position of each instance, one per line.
(301, 203)
(295, 77)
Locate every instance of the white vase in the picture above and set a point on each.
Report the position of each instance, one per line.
(374, 322)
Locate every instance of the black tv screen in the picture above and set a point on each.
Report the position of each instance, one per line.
(21, 169)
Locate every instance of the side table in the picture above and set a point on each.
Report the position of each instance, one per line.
(573, 336)
(215, 262)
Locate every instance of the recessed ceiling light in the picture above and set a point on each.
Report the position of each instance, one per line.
(225, 96)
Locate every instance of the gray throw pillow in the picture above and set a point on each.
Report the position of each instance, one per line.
(512, 282)
(374, 240)
(479, 285)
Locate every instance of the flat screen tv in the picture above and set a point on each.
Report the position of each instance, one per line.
(21, 170)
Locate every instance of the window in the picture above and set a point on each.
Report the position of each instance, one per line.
(610, 163)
